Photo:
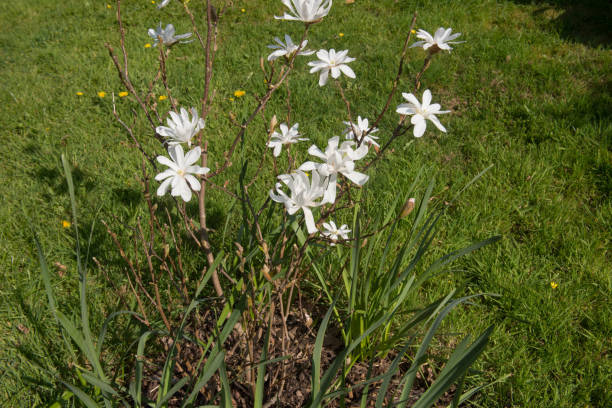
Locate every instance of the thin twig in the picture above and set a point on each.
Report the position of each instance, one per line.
(397, 77)
(262, 104)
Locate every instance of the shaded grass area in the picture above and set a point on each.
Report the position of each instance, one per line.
(525, 96)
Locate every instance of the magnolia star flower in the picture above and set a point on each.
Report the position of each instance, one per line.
(287, 49)
(421, 112)
(333, 233)
(180, 128)
(179, 175)
(355, 131)
(440, 40)
(308, 11)
(340, 160)
(167, 35)
(287, 136)
(304, 195)
(334, 62)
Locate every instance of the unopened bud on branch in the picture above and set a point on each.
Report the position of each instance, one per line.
(408, 207)
(273, 123)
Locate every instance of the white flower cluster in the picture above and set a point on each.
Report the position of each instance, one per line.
(179, 176)
(312, 184)
(167, 35)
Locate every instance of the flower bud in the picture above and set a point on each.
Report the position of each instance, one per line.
(273, 123)
(408, 207)
(265, 270)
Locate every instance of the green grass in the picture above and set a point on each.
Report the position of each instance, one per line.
(530, 93)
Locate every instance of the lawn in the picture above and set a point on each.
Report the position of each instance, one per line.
(530, 92)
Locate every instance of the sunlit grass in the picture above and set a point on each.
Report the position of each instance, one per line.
(526, 96)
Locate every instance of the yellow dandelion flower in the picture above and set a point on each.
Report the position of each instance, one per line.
(239, 93)
(108, 6)
(243, 10)
(554, 284)
(162, 97)
(413, 31)
(340, 34)
(101, 94)
(66, 224)
(79, 93)
(147, 45)
(152, 1)
(123, 94)
(231, 99)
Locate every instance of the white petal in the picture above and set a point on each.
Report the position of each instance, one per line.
(323, 77)
(436, 122)
(193, 182)
(163, 188)
(412, 99)
(310, 224)
(358, 178)
(419, 128)
(405, 109)
(426, 98)
(276, 54)
(330, 192)
(308, 166)
(165, 174)
(186, 194)
(323, 55)
(347, 71)
(196, 170)
(164, 131)
(277, 149)
(167, 162)
(193, 156)
(416, 119)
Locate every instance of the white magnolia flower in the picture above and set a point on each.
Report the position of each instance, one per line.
(287, 49)
(167, 35)
(333, 233)
(308, 11)
(421, 112)
(355, 131)
(179, 175)
(337, 160)
(332, 61)
(287, 136)
(180, 128)
(440, 40)
(304, 195)
(163, 4)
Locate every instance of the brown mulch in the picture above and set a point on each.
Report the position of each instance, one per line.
(287, 382)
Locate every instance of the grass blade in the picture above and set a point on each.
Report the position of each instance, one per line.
(81, 395)
(175, 388)
(427, 339)
(443, 382)
(226, 391)
(316, 352)
(142, 342)
(261, 372)
(211, 366)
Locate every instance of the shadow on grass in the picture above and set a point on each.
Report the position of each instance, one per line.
(54, 178)
(50, 362)
(584, 21)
